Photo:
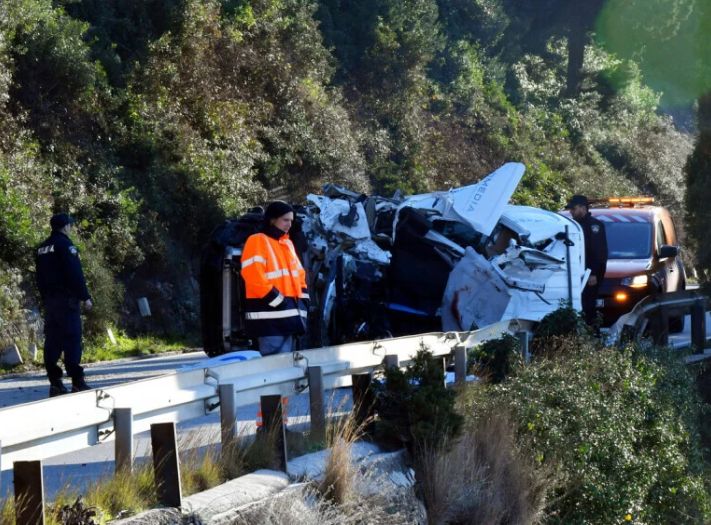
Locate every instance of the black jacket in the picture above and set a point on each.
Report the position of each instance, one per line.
(595, 245)
(59, 272)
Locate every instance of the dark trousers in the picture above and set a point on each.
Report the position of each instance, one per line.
(589, 299)
(62, 335)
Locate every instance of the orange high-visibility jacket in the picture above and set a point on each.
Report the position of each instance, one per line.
(275, 286)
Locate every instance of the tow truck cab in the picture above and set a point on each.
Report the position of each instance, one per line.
(643, 255)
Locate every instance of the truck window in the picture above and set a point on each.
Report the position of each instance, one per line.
(661, 235)
(628, 240)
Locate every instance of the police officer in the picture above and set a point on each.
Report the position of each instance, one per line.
(61, 284)
(595, 252)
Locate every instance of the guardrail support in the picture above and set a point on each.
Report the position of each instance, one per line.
(316, 405)
(273, 417)
(29, 492)
(228, 409)
(698, 327)
(123, 446)
(524, 339)
(166, 464)
(391, 361)
(363, 398)
(460, 365)
(660, 326)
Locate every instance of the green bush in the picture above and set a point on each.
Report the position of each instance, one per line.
(556, 326)
(620, 428)
(495, 359)
(415, 408)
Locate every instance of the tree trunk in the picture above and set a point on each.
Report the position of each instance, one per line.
(576, 55)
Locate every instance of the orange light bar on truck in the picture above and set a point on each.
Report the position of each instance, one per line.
(622, 201)
(621, 297)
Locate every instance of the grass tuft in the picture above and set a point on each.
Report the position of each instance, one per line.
(339, 475)
(481, 477)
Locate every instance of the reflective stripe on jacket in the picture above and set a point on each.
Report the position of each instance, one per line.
(275, 286)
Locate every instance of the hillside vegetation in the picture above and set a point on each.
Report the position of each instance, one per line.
(151, 121)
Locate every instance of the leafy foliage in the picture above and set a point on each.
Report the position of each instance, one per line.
(495, 359)
(619, 427)
(698, 179)
(415, 407)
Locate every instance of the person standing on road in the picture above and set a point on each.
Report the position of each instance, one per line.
(275, 283)
(595, 252)
(63, 290)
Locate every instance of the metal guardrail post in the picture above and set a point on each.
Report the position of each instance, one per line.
(166, 464)
(123, 446)
(391, 361)
(363, 398)
(228, 409)
(698, 327)
(660, 326)
(524, 339)
(29, 492)
(316, 405)
(460, 365)
(273, 417)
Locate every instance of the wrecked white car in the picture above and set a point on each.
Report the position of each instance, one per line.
(380, 267)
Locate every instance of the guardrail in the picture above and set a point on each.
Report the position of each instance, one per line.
(651, 317)
(63, 424)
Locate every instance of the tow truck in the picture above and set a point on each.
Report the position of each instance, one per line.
(378, 266)
(643, 255)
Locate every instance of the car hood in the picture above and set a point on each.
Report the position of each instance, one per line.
(479, 205)
(619, 268)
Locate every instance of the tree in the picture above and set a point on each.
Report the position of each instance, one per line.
(698, 188)
(534, 24)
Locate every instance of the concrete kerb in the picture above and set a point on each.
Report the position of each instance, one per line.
(222, 504)
(203, 506)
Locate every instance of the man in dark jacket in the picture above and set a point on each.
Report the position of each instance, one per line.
(595, 252)
(61, 284)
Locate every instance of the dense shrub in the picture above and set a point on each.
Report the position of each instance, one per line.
(415, 408)
(619, 427)
(14, 325)
(556, 328)
(495, 359)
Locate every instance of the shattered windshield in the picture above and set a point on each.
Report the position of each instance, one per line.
(628, 240)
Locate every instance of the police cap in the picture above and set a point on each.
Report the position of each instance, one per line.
(577, 200)
(60, 220)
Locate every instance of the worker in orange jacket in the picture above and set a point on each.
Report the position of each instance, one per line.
(275, 283)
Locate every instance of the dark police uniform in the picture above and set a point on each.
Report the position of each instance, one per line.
(595, 260)
(62, 286)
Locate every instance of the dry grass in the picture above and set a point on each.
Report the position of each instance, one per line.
(124, 493)
(200, 465)
(482, 477)
(339, 474)
(7, 511)
(306, 506)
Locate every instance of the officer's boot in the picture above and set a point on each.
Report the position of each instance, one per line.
(57, 388)
(79, 385)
